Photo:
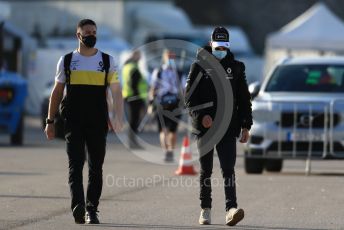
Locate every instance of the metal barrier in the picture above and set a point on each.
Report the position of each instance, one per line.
(332, 107)
(326, 109)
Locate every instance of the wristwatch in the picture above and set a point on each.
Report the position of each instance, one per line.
(48, 121)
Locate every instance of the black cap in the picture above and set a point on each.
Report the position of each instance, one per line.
(220, 37)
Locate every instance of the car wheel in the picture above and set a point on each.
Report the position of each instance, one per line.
(17, 137)
(273, 165)
(254, 165)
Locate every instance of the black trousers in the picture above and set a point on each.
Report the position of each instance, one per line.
(134, 109)
(80, 137)
(226, 151)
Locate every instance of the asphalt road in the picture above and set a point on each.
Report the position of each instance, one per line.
(141, 193)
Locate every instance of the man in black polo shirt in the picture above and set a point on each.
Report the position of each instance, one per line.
(87, 73)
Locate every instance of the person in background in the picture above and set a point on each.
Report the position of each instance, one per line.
(165, 95)
(203, 91)
(86, 73)
(135, 91)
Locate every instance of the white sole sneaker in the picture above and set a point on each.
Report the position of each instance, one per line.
(205, 217)
(236, 218)
(204, 222)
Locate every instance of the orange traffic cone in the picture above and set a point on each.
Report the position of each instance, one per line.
(185, 162)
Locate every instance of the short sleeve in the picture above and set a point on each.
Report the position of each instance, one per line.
(113, 73)
(60, 74)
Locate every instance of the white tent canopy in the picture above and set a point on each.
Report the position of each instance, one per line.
(317, 29)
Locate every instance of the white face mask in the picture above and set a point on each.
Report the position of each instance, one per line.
(219, 54)
(171, 63)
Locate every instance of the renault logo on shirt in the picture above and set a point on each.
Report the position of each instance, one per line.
(74, 64)
(100, 67)
(229, 73)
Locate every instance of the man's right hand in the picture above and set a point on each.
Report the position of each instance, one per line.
(207, 121)
(50, 131)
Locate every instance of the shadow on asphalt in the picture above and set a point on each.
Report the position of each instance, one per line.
(51, 197)
(249, 227)
(213, 226)
(158, 226)
(20, 174)
(325, 174)
(35, 197)
(31, 145)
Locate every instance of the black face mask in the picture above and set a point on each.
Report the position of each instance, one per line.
(89, 41)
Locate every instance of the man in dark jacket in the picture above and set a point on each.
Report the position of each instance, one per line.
(200, 90)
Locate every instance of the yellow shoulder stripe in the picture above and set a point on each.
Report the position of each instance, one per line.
(79, 77)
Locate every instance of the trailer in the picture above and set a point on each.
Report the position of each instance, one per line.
(13, 88)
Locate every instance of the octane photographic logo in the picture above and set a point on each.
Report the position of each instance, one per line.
(153, 51)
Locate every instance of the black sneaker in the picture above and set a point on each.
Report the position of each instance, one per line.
(169, 157)
(92, 217)
(79, 214)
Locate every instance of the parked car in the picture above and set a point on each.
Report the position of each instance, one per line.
(298, 113)
(13, 91)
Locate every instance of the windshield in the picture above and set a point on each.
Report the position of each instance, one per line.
(307, 78)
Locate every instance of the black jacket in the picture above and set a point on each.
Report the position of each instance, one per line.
(205, 92)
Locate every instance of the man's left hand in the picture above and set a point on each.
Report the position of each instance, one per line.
(150, 110)
(245, 135)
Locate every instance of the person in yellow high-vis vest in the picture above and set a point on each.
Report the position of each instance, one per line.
(134, 90)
